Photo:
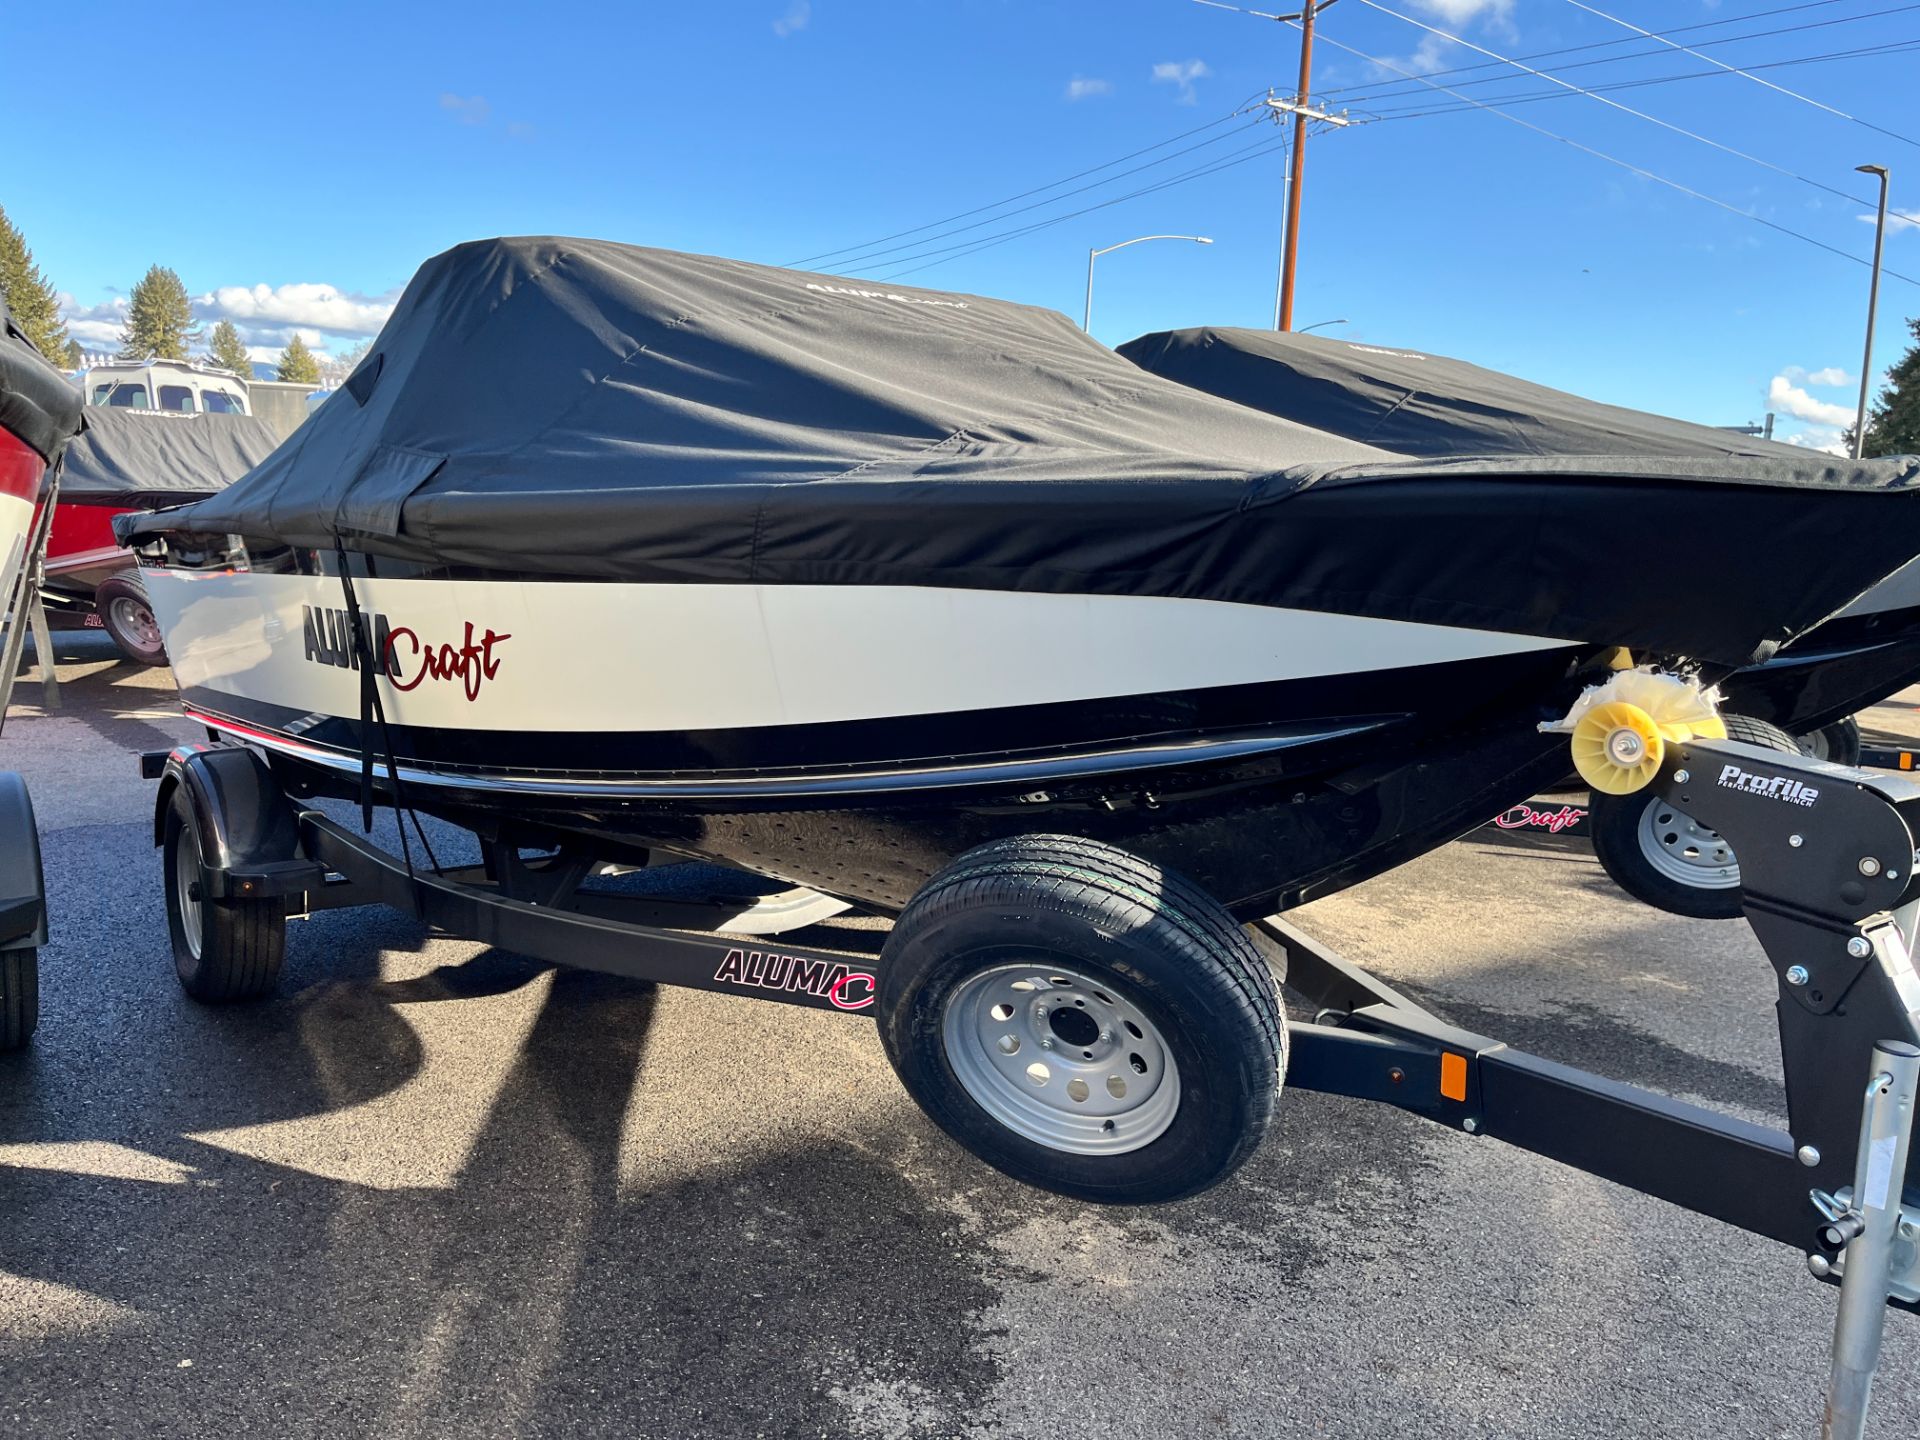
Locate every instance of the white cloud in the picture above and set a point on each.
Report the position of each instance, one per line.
(257, 309)
(1436, 52)
(96, 327)
(1819, 437)
(1081, 88)
(267, 316)
(1181, 73)
(1897, 220)
(1456, 13)
(467, 109)
(1790, 399)
(796, 18)
(1826, 378)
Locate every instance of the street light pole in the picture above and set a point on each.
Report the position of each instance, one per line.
(1873, 304)
(1086, 318)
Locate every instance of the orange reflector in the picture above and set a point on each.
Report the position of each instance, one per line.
(1906, 760)
(1453, 1076)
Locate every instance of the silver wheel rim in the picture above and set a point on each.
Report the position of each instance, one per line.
(186, 874)
(136, 620)
(1060, 1059)
(1683, 850)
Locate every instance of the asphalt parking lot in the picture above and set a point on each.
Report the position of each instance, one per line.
(436, 1189)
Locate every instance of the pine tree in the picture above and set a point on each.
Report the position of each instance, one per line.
(228, 352)
(74, 357)
(159, 319)
(297, 364)
(1893, 425)
(35, 306)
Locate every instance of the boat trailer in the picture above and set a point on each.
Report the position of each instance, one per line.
(1828, 859)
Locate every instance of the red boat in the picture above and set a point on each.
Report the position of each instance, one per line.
(134, 457)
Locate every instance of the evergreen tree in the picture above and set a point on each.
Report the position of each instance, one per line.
(228, 352)
(1893, 425)
(297, 363)
(74, 357)
(35, 306)
(159, 319)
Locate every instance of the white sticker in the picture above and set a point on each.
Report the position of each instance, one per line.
(1879, 1172)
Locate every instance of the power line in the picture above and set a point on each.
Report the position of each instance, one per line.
(1736, 70)
(969, 247)
(1411, 112)
(1606, 44)
(1024, 194)
(1616, 105)
(1494, 109)
(867, 255)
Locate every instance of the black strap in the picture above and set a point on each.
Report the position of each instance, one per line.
(372, 713)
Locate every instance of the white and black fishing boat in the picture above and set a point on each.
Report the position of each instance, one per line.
(934, 604)
(833, 581)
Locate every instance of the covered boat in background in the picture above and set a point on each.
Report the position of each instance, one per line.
(835, 581)
(135, 459)
(1435, 406)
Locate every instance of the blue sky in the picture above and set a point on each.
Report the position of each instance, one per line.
(773, 130)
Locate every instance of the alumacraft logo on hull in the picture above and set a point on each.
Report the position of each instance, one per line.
(842, 986)
(409, 660)
(1774, 787)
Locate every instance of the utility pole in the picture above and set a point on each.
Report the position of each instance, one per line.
(1873, 304)
(1297, 155)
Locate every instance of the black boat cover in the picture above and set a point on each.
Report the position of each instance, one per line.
(37, 403)
(151, 458)
(1421, 404)
(588, 410)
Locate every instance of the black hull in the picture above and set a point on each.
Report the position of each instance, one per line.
(1838, 670)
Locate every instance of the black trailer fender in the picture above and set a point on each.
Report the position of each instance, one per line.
(248, 830)
(23, 890)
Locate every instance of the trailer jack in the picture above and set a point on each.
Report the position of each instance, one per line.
(1827, 856)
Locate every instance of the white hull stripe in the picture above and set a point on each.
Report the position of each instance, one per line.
(606, 657)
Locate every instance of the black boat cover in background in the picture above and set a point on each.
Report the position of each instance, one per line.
(1421, 404)
(153, 457)
(586, 410)
(37, 403)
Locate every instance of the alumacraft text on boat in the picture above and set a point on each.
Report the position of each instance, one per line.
(328, 634)
(1774, 787)
(843, 986)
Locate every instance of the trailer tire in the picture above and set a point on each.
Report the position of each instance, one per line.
(126, 614)
(224, 950)
(1083, 1020)
(1659, 855)
(1838, 742)
(19, 996)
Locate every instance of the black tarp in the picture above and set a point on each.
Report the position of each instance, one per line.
(593, 410)
(1420, 404)
(37, 403)
(151, 458)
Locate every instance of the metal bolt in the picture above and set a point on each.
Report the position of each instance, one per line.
(1470, 1125)
(1869, 866)
(1795, 841)
(1819, 1266)
(1105, 1036)
(1046, 1042)
(1681, 777)
(1808, 1156)
(1859, 947)
(1796, 975)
